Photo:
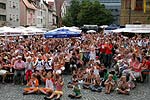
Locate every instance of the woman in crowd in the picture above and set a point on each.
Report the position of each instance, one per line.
(49, 84)
(78, 52)
(33, 85)
(29, 68)
(58, 91)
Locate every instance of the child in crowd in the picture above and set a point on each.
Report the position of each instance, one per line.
(70, 83)
(49, 82)
(97, 85)
(109, 84)
(87, 81)
(76, 90)
(58, 92)
(29, 68)
(33, 83)
(123, 86)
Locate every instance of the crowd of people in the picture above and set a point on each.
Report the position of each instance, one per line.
(95, 61)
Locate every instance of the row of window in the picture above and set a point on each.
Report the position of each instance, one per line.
(2, 5)
(137, 5)
(14, 18)
(13, 5)
(2, 17)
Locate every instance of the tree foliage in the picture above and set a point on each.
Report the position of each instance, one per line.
(87, 12)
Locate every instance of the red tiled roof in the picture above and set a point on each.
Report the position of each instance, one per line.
(28, 4)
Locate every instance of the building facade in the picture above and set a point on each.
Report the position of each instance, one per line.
(50, 15)
(135, 12)
(40, 14)
(13, 13)
(3, 12)
(27, 13)
(114, 6)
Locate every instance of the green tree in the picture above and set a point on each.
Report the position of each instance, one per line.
(87, 12)
(71, 17)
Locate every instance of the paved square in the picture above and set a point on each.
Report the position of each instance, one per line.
(14, 92)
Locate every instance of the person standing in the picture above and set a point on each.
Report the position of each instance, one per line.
(29, 68)
(108, 54)
(19, 67)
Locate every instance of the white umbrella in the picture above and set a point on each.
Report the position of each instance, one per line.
(34, 30)
(118, 30)
(91, 31)
(5, 29)
(104, 26)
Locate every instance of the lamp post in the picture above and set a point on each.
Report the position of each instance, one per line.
(129, 11)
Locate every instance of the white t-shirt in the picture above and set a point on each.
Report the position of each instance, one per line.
(49, 84)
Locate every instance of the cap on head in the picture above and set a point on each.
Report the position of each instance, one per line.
(110, 75)
(19, 57)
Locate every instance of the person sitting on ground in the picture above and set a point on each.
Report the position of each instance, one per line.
(76, 90)
(70, 83)
(49, 82)
(97, 85)
(87, 81)
(136, 70)
(33, 83)
(109, 84)
(123, 86)
(114, 75)
(58, 92)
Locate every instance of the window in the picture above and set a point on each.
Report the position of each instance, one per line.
(2, 17)
(14, 18)
(9, 4)
(33, 20)
(17, 18)
(148, 5)
(10, 17)
(14, 5)
(127, 4)
(139, 5)
(2, 5)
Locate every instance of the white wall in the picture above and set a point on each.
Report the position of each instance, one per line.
(13, 13)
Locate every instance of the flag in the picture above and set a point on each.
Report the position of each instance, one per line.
(144, 6)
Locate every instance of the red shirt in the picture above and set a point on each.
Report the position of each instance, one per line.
(136, 67)
(108, 48)
(148, 64)
(102, 48)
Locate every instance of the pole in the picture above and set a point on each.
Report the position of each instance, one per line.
(144, 6)
(130, 12)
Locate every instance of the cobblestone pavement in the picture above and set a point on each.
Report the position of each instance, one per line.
(14, 92)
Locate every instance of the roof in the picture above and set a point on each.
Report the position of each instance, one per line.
(28, 4)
